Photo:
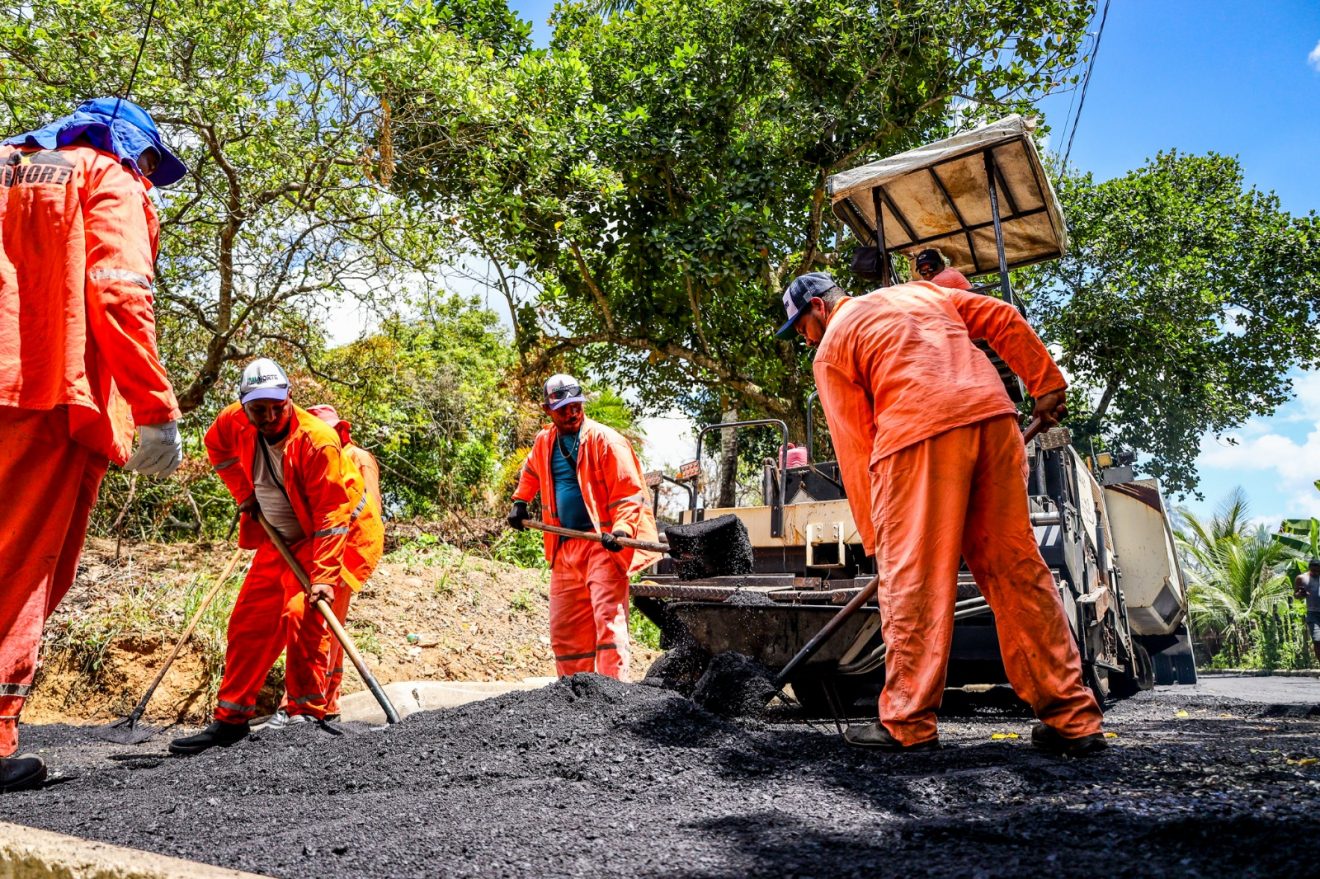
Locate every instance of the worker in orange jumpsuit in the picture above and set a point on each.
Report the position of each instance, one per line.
(288, 464)
(589, 479)
(933, 463)
(931, 267)
(370, 470)
(79, 367)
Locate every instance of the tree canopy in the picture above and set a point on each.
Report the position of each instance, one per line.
(276, 109)
(1185, 300)
(648, 184)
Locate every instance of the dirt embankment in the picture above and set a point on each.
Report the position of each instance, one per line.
(431, 612)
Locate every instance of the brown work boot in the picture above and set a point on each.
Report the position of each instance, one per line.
(1048, 739)
(874, 735)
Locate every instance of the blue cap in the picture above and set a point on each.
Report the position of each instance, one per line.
(803, 289)
(115, 126)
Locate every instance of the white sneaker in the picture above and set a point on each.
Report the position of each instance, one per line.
(281, 719)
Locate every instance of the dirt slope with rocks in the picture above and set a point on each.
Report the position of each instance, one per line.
(588, 777)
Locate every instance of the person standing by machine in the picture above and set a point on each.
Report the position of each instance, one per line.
(934, 467)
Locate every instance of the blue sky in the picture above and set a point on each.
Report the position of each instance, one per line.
(1212, 75)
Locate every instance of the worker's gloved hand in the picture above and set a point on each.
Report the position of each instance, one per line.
(160, 450)
(249, 506)
(1051, 408)
(611, 541)
(319, 591)
(518, 514)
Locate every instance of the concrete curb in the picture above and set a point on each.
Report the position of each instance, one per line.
(28, 853)
(409, 697)
(1261, 673)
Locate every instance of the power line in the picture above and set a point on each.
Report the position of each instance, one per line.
(132, 76)
(1086, 82)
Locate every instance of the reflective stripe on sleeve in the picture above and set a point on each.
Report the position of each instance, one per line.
(638, 498)
(227, 462)
(15, 689)
(120, 275)
(326, 532)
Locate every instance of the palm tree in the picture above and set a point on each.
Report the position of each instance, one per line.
(1234, 576)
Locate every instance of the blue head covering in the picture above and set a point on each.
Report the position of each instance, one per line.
(127, 133)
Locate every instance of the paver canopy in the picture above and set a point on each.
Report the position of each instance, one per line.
(938, 195)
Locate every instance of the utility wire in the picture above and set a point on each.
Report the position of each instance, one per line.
(1086, 82)
(132, 76)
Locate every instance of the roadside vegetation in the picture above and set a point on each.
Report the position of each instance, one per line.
(1240, 591)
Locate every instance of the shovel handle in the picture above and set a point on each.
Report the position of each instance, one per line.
(391, 715)
(594, 536)
(138, 709)
(827, 631)
(1036, 426)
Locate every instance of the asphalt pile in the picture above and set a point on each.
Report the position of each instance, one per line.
(711, 548)
(590, 777)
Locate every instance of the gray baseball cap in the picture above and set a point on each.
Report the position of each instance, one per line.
(803, 289)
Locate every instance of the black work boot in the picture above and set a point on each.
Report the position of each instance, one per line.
(21, 773)
(218, 733)
(1048, 739)
(874, 735)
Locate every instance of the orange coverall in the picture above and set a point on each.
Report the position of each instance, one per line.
(952, 278)
(932, 458)
(78, 367)
(588, 583)
(370, 470)
(345, 542)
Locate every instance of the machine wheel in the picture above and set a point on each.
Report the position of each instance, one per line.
(1098, 680)
(1142, 677)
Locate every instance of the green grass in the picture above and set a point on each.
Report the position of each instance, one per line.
(642, 630)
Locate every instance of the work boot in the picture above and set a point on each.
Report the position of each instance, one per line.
(281, 719)
(218, 733)
(874, 735)
(1048, 739)
(21, 773)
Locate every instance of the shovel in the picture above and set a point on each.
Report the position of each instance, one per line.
(126, 731)
(716, 547)
(391, 715)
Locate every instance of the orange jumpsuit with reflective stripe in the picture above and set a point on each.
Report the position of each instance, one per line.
(78, 367)
(588, 583)
(932, 460)
(344, 543)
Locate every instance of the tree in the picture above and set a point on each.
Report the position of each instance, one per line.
(647, 186)
(1235, 588)
(1184, 301)
(276, 109)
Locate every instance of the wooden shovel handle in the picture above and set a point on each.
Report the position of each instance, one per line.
(593, 536)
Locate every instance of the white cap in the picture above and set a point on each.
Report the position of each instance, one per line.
(263, 380)
(560, 390)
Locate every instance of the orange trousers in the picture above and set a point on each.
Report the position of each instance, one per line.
(270, 616)
(589, 610)
(50, 485)
(964, 492)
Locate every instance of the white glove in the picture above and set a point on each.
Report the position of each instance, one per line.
(160, 450)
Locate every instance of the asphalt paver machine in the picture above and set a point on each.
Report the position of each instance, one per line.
(983, 199)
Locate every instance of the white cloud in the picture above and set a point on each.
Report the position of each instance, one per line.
(1290, 460)
(1313, 59)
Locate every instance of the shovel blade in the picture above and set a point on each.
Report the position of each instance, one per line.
(125, 732)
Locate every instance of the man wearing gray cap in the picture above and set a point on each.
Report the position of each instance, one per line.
(589, 479)
(280, 460)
